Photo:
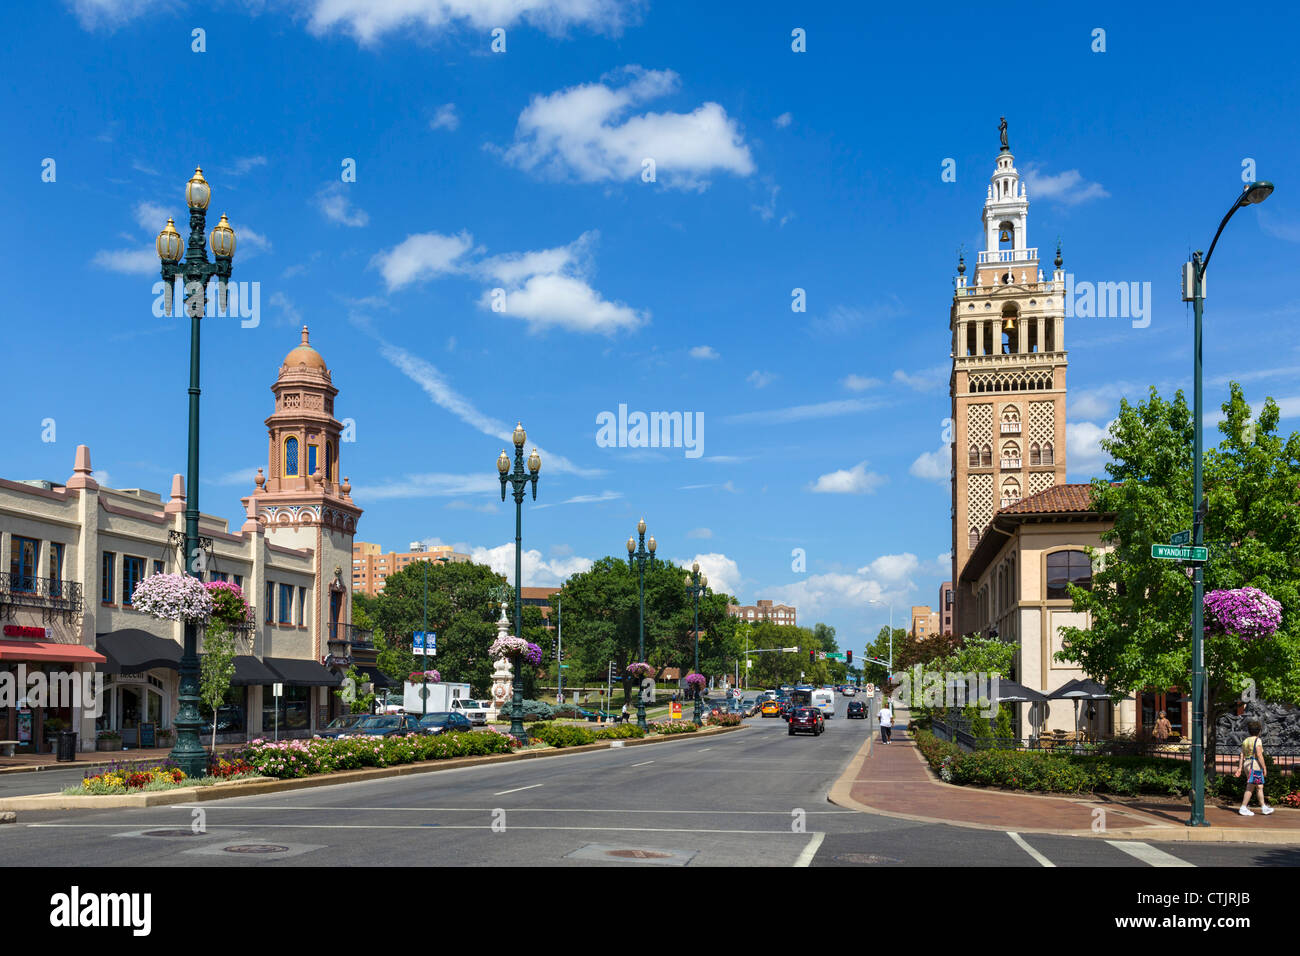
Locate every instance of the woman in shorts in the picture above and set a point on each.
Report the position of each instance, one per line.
(1252, 766)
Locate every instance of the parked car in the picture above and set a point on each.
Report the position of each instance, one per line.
(393, 703)
(475, 710)
(387, 725)
(856, 709)
(807, 720)
(850, 691)
(344, 726)
(443, 722)
(787, 708)
(770, 708)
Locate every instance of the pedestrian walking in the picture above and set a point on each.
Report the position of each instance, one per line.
(1252, 767)
(886, 717)
(1162, 729)
(624, 717)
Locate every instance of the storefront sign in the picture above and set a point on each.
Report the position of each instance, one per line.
(17, 630)
(24, 726)
(148, 734)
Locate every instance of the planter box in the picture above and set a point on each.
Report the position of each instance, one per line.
(107, 745)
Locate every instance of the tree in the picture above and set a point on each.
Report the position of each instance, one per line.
(921, 650)
(462, 610)
(357, 703)
(1140, 607)
(216, 669)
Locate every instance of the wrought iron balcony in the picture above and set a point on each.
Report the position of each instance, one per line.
(351, 634)
(51, 595)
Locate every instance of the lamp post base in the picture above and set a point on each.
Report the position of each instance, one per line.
(640, 714)
(699, 713)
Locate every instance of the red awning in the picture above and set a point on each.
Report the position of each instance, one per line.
(43, 651)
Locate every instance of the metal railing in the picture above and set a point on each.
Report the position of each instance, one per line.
(1009, 255)
(358, 636)
(51, 595)
(1227, 756)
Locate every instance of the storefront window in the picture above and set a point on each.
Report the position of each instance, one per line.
(295, 709)
(22, 563)
(230, 715)
(286, 603)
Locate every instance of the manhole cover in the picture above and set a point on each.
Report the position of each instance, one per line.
(637, 854)
(170, 833)
(256, 848)
(865, 858)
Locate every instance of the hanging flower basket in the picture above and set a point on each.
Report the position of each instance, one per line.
(228, 604)
(640, 669)
(432, 677)
(696, 680)
(1247, 613)
(516, 647)
(173, 597)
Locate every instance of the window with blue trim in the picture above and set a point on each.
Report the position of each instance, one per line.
(291, 457)
(286, 603)
(270, 602)
(302, 607)
(56, 569)
(106, 577)
(22, 563)
(311, 459)
(132, 574)
(157, 567)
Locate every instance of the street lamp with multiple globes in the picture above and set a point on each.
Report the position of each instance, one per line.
(196, 270)
(699, 584)
(1251, 194)
(520, 479)
(638, 556)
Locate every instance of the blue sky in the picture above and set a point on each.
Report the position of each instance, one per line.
(522, 171)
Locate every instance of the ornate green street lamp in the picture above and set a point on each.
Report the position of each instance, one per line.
(195, 270)
(1251, 194)
(520, 479)
(699, 584)
(638, 556)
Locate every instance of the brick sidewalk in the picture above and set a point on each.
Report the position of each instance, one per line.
(895, 780)
(91, 758)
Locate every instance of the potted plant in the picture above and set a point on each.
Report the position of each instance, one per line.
(108, 740)
(165, 737)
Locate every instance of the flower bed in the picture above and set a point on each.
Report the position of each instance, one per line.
(724, 720)
(303, 758)
(666, 727)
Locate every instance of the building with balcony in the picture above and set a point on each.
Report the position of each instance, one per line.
(76, 552)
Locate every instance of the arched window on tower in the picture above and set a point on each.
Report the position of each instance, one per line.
(974, 456)
(312, 459)
(986, 456)
(1048, 455)
(329, 461)
(290, 456)
(1035, 455)
(974, 538)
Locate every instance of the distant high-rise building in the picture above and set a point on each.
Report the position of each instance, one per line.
(371, 567)
(925, 621)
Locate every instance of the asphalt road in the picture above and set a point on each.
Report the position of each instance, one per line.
(756, 797)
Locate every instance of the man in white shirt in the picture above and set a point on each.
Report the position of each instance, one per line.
(886, 717)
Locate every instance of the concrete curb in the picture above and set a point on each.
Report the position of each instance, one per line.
(841, 795)
(223, 791)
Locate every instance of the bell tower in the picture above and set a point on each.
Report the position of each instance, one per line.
(1008, 375)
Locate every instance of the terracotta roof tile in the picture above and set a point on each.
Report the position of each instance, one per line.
(1058, 499)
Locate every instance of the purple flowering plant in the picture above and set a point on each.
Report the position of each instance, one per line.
(173, 597)
(1247, 613)
(510, 646)
(640, 669)
(696, 680)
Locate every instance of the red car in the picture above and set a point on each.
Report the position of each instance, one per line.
(807, 720)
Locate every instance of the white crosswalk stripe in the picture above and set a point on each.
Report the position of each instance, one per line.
(1020, 842)
(1148, 854)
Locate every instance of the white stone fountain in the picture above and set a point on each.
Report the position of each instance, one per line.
(503, 676)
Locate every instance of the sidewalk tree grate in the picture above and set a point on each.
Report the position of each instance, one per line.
(637, 854)
(256, 848)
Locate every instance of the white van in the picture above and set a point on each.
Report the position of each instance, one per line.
(824, 700)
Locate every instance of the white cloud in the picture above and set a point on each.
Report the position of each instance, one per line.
(723, 572)
(1084, 455)
(129, 261)
(852, 481)
(429, 486)
(784, 120)
(924, 380)
(1275, 227)
(247, 241)
(489, 508)
(700, 533)
(800, 413)
(102, 478)
(892, 568)
(445, 117)
(704, 352)
(859, 383)
(368, 20)
(422, 256)
(761, 379)
(336, 206)
(567, 302)
(585, 133)
(151, 216)
(537, 571)
(606, 495)
(1101, 401)
(240, 476)
(290, 311)
(1068, 187)
(843, 320)
(108, 14)
(768, 209)
(888, 579)
(246, 164)
(934, 465)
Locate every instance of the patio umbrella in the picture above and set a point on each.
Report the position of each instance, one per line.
(1080, 688)
(1011, 692)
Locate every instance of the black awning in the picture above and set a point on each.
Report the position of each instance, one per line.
(132, 651)
(375, 676)
(304, 673)
(250, 671)
(1081, 688)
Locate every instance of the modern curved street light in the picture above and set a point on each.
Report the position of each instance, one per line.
(189, 754)
(520, 480)
(699, 584)
(640, 554)
(1251, 194)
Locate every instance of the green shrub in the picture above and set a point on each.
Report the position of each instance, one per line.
(723, 720)
(666, 727)
(621, 732)
(562, 735)
(303, 758)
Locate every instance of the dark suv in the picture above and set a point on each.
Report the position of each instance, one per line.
(807, 720)
(857, 709)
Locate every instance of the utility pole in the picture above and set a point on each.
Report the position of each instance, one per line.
(559, 655)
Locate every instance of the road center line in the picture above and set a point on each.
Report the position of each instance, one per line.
(272, 809)
(409, 826)
(1148, 854)
(642, 763)
(805, 857)
(1029, 849)
(531, 786)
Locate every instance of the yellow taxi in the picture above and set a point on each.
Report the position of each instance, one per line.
(771, 708)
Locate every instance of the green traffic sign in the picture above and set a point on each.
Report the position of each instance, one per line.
(1180, 537)
(1170, 552)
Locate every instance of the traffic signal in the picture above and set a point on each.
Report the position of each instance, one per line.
(849, 658)
(812, 657)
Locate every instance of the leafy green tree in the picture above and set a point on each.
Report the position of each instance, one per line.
(462, 610)
(216, 669)
(878, 674)
(1140, 607)
(357, 703)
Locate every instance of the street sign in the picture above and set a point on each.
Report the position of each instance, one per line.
(834, 656)
(1170, 552)
(871, 690)
(1180, 537)
(425, 642)
(675, 710)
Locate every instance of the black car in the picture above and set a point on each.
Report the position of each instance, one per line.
(857, 709)
(345, 726)
(444, 722)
